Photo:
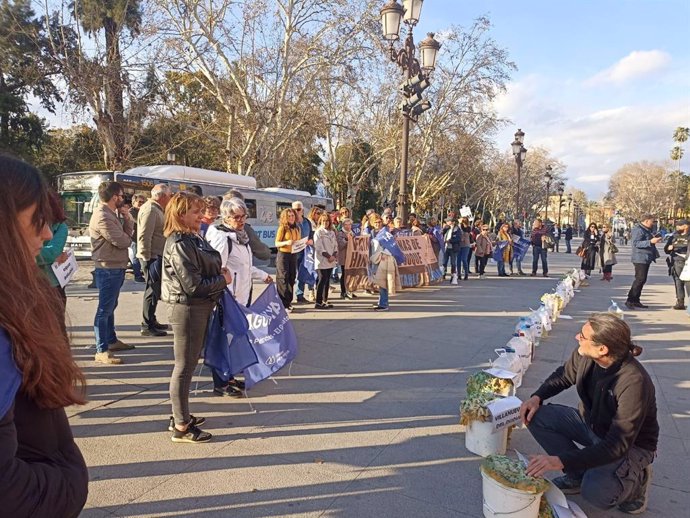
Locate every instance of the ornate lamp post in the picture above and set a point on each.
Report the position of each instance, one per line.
(560, 201)
(170, 157)
(570, 205)
(549, 177)
(416, 75)
(520, 153)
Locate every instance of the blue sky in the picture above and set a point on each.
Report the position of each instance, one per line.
(600, 83)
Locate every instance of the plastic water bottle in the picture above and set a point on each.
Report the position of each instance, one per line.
(614, 309)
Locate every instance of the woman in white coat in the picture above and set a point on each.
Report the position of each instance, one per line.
(325, 259)
(231, 240)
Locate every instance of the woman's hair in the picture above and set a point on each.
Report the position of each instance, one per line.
(464, 221)
(346, 221)
(374, 217)
(614, 333)
(30, 309)
(414, 222)
(176, 209)
(211, 202)
(593, 225)
(325, 221)
(284, 217)
(58, 213)
(344, 211)
(314, 213)
(230, 207)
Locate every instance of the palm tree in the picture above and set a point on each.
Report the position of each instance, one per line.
(680, 136)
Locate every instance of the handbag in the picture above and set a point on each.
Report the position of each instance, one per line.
(581, 252)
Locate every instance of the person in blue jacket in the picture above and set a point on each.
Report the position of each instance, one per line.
(643, 254)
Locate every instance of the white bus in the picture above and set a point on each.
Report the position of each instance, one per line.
(79, 193)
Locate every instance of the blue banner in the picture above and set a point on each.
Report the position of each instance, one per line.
(227, 349)
(271, 335)
(387, 241)
(520, 247)
(307, 272)
(498, 251)
(357, 229)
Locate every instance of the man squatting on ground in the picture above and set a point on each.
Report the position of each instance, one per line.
(616, 425)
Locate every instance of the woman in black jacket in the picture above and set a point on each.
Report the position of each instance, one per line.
(42, 471)
(590, 244)
(193, 281)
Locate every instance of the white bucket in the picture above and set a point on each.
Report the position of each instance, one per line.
(480, 441)
(500, 501)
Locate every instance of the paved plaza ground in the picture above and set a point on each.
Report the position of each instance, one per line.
(366, 422)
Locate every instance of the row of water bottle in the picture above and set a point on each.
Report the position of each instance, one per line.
(518, 353)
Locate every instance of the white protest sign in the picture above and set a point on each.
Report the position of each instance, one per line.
(299, 245)
(504, 412)
(501, 373)
(465, 212)
(66, 270)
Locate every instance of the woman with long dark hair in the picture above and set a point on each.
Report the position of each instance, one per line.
(590, 244)
(42, 471)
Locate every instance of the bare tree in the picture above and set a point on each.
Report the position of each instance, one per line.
(641, 188)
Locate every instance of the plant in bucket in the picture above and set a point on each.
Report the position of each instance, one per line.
(483, 382)
(509, 492)
(479, 429)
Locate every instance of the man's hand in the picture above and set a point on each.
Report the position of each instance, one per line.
(655, 240)
(529, 408)
(268, 279)
(540, 464)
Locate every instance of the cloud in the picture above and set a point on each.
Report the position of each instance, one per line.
(638, 63)
(593, 178)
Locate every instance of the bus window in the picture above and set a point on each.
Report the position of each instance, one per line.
(280, 206)
(78, 208)
(251, 208)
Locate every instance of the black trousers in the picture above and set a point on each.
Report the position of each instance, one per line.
(343, 288)
(286, 273)
(323, 284)
(641, 271)
(682, 287)
(152, 294)
(481, 266)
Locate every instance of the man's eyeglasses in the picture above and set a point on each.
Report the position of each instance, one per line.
(239, 217)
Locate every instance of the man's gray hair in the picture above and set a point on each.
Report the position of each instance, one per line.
(233, 193)
(159, 190)
(231, 207)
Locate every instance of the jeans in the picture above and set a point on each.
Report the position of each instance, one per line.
(323, 285)
(641, 271)
(152, 295)
(383, 297)
(464, 260)
(537, 252)
(568, 250)
(189, 323)
(558, 428)
(501, 267)
(557, 241)
(300, 285)
(452, 256)
(518, 262)
(136, 264)
(108, 281)
(286, 272)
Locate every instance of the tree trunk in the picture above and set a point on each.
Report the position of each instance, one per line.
(114, 102)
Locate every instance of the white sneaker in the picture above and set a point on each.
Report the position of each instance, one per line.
(107, 358)
(454, 279)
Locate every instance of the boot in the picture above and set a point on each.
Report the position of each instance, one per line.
(680, 304)
(609, 276)
(454, 279)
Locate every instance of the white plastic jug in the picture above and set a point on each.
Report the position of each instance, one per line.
(523, 348)
(510, 361)
(615, 309)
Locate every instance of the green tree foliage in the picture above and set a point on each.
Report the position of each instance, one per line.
(67, 150)
(24, 71)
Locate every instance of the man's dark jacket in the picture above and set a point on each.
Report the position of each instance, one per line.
(622, 413)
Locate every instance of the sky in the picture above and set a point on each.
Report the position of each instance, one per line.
(599, 83)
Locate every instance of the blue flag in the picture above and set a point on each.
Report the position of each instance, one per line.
(520, 247)
(387, 241)
(227, 348)
(307, 272)
(498, 251)
(357, 229)
(271, 335)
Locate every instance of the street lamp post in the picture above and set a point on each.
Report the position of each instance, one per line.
(170, 157)
(416, 75)
(520, 153)
(549, 177)
(560, 202)
(570, 205)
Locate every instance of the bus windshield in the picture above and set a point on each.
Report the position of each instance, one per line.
(78, 208)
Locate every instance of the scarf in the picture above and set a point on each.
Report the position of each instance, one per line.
(242, 236)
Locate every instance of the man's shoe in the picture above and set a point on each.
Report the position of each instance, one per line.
(630, 305)
(152, 331)
(162, 327)
(228, 391)
(638, 503)
(343, 295)
(640, 305)
(521, 273)
(118, 345)
(191, 435)
(322, 306)
(236, 383)
(569, 486)
(381, 308)
(533, 274)
(139, 279)
(545, 275)
(196, 421)
(107, 359)
(680, 304)
(301, 299)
